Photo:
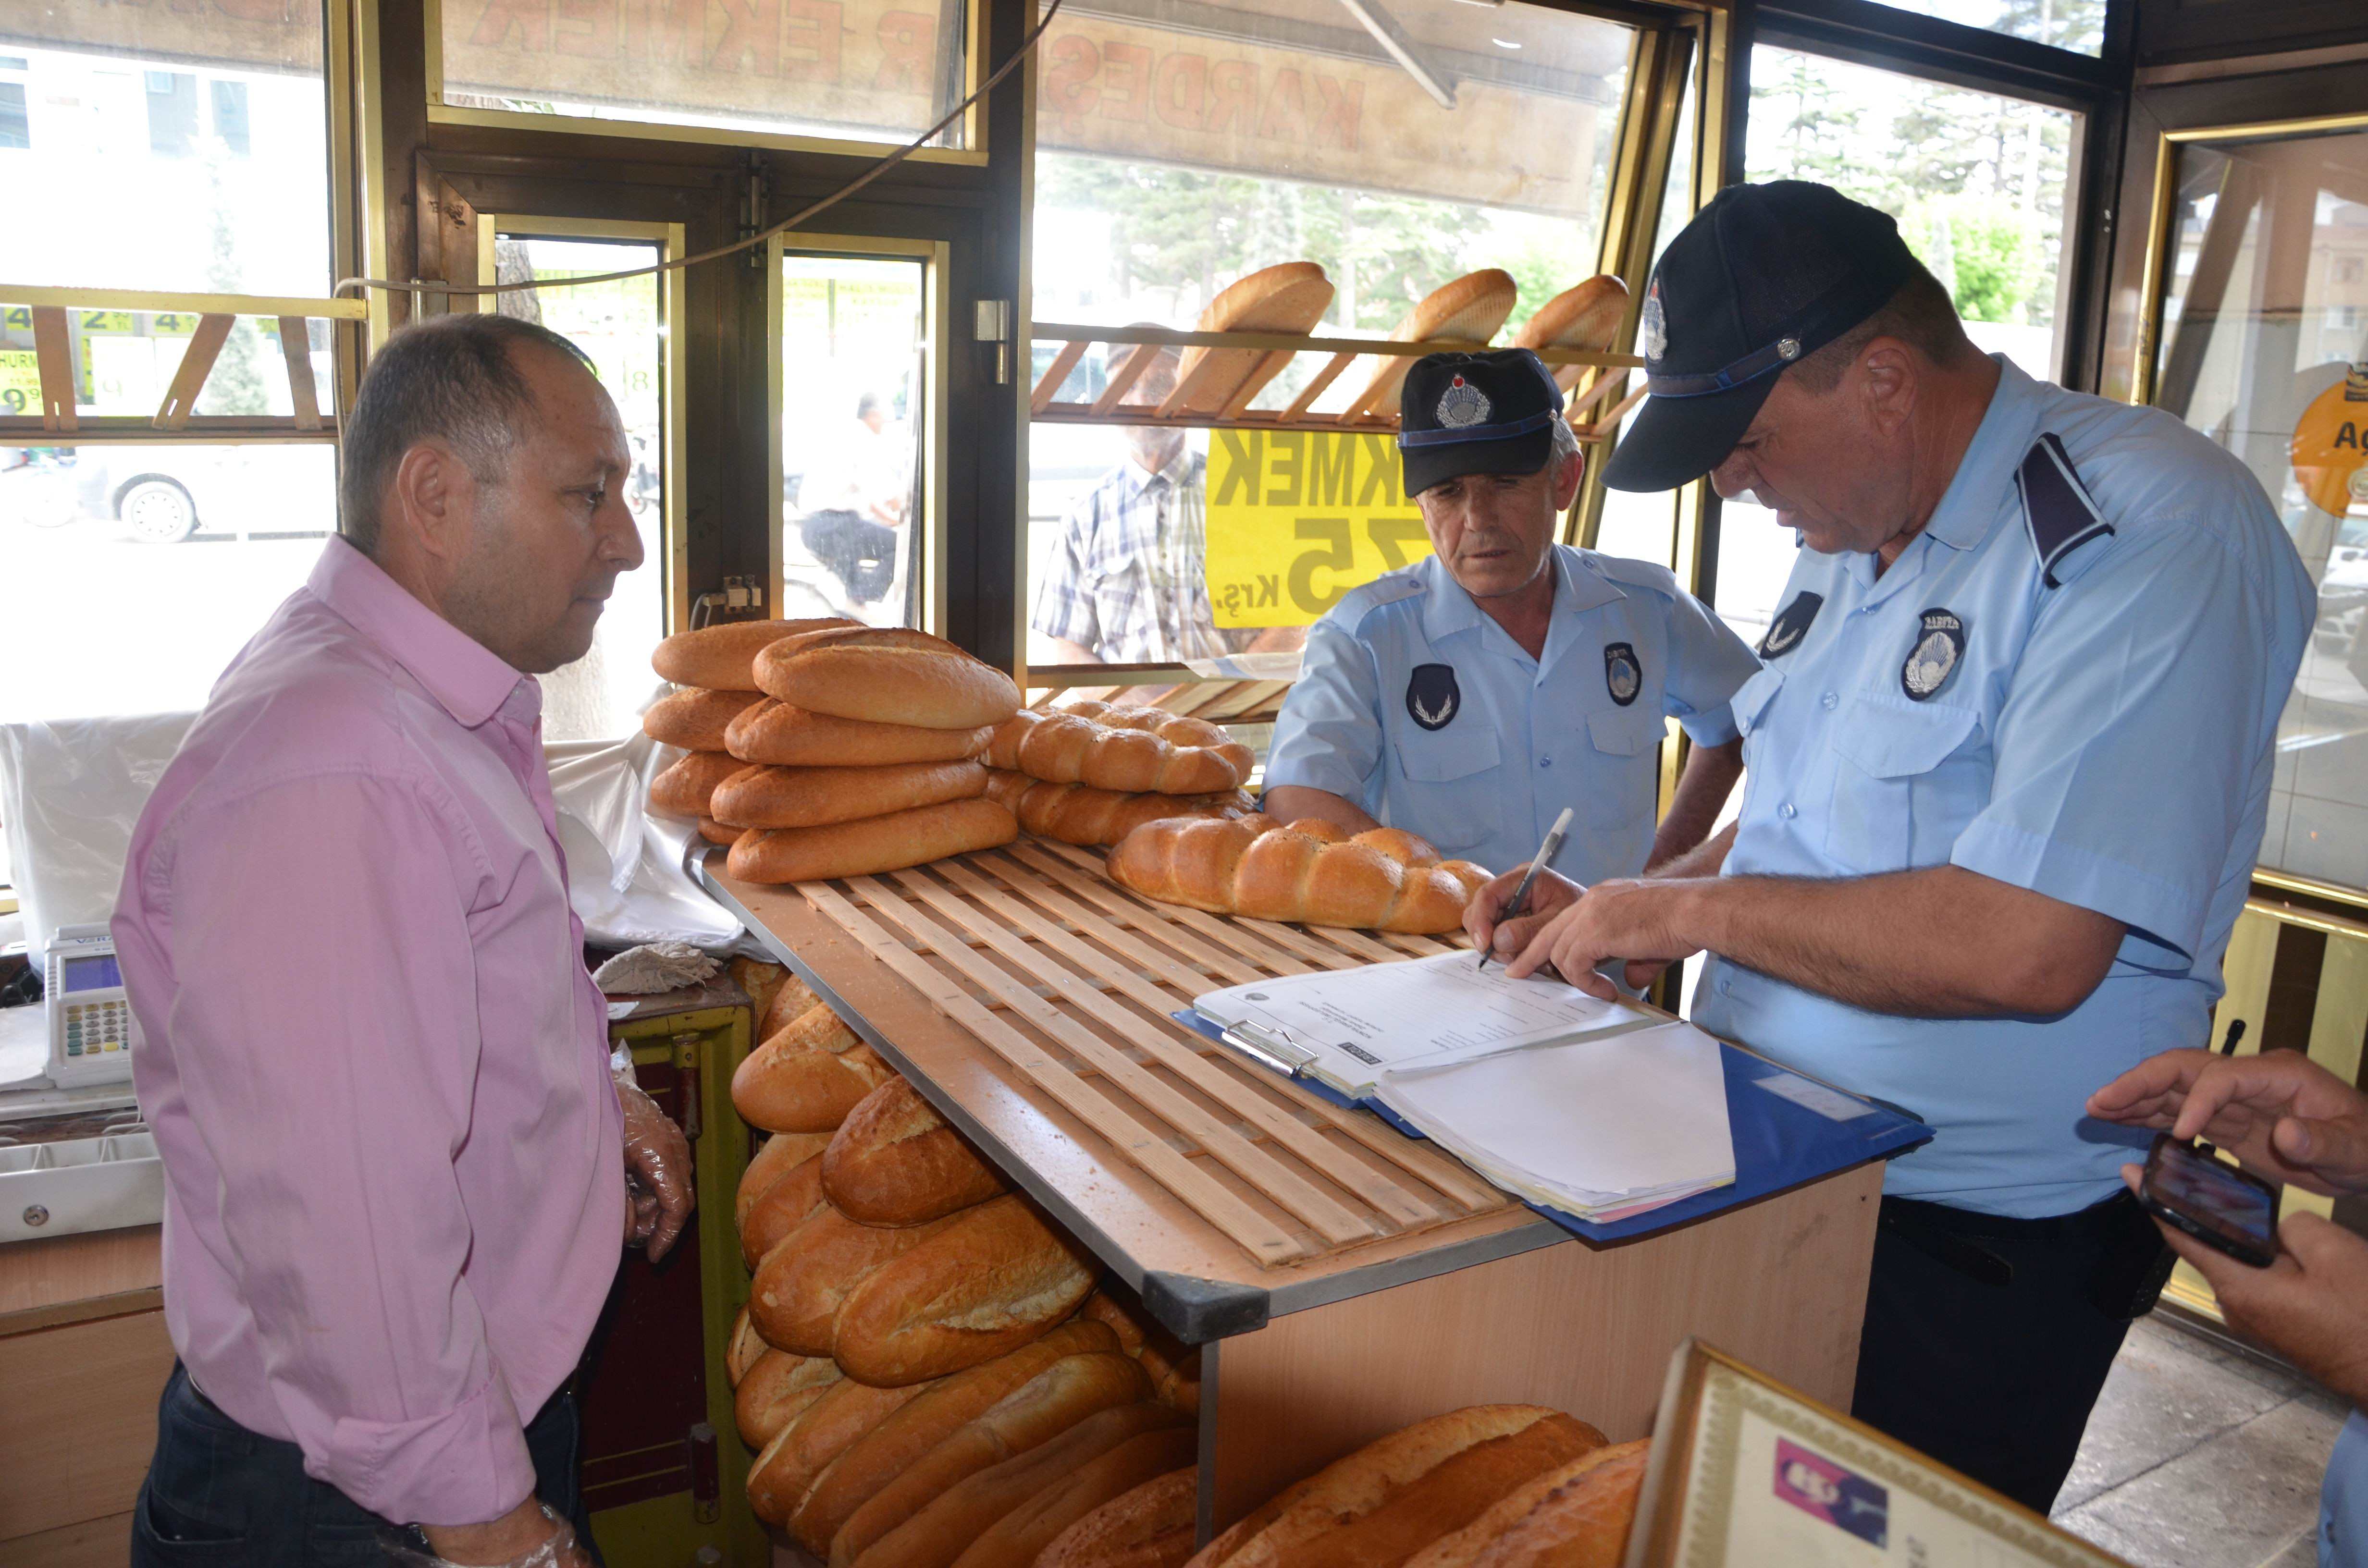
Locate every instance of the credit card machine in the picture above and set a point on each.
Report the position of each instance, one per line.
(92, 1032)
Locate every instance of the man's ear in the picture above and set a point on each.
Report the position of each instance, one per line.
(1886, 383)
(433, 498)
(1569, 473)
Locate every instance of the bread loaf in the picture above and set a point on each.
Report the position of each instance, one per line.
(782, 736)
(786, 1205)
(683, 790)
(1349, 1488)
(992, 1279)
(1077, 813)
(777, 1387)
(1457, 1548)
(1054, 1401)
(790, 1003)
(1137, 750)
(1291, 298)
(946, 1528)
(806, 1078)
(1582, 1523)
(815, 1437)
(891, 1448)
(1174, 1370)
(742, 1348)
(895, 1162)
(692, 718)
(715, 833)
(1017, 1539)
(722, 658)
(1150, 1527)
(781, 1153)
(1584, 316)
(1469, 310)
(1446, 1497)
(802, 1284)
(887, 677)
(761, 981)
(1384, 879)
(813, 796)
(888, 843)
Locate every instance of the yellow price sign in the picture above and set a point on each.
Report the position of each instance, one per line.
(1297, 518)
(16, 318)
(107, 321)
(20, 382)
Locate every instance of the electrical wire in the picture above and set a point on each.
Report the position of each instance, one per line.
(422, 286)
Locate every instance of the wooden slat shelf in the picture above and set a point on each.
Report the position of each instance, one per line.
(1030, 998)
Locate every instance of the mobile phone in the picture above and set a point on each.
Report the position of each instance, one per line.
(2211, 1200)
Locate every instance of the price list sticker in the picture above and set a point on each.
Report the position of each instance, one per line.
(1298, 519)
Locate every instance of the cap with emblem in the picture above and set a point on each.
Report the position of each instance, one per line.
(1764, 276)
(1486, 412)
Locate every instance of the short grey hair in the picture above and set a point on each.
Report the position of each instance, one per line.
(452, 377)
(1566, 445)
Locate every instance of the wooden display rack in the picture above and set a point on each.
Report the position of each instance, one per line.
(1599, 372)
(1358, 1280)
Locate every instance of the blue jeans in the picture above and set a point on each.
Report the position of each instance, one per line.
(2343, 1502)
(219, 1493)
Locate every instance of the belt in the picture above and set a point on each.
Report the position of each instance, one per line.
(2131, 1267)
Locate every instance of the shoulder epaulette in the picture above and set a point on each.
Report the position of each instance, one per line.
(2057, 510)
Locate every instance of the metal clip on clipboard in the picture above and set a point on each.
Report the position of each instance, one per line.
(1272, 1046)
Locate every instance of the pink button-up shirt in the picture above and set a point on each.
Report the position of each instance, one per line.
(375, 1065)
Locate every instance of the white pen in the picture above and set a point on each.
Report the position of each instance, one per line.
(1546, 852)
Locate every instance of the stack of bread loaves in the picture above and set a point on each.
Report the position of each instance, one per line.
(827, 749)
(713, 670)
(1383, 879)
(922, 1365)
(1092, 772)
(1490, 1486)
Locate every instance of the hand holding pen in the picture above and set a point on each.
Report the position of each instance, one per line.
(1518, 905)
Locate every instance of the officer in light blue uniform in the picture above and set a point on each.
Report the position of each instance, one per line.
(2008, 767)
(1474, 695)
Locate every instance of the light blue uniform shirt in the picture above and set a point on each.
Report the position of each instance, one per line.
(2105, 741)
(2343, 1499)
(1482, 760)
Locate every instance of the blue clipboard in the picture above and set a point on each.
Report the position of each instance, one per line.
(1778, 1142)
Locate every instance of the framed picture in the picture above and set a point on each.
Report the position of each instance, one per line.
(1747, 1473)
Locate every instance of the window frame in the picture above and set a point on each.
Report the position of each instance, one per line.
(973, 152)
(937, 304)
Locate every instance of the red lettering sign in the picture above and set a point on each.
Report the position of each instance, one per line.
(906, 39)
(529, 19)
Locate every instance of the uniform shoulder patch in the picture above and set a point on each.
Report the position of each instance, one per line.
(1792, 624)
(2057, 510)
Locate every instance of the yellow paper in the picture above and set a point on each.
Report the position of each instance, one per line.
(1297, 518)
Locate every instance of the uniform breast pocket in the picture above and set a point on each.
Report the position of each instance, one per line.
(1624, 747)
(1447, 788)
(1900, 794)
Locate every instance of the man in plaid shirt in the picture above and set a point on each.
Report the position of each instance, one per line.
(1129, 582)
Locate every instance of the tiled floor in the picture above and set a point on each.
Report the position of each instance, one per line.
(2200, 1457)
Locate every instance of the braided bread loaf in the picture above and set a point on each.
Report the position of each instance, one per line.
(1133, 749)
(1383, 880)
(1078, 813)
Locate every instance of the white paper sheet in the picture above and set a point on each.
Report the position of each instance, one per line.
(1591, 1125)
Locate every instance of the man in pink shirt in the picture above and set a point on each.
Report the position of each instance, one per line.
(396, 1166)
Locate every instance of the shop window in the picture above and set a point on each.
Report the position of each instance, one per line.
(1981, 185)
(2077, 25)
(855, 399)
(873, 70)
(620, 326)
(1183, 144)
(16, 129)
(230, 116)
(2260, 346)
(172, 114)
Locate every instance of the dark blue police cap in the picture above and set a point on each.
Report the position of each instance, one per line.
(1764, 276)
(1486, 412)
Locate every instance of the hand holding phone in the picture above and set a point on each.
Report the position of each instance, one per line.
(2214, 1202)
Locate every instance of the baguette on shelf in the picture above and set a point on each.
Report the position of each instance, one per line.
(1133, 749)
(895, 1162)
(785, 1204)
(814, 1439)
(886, 675)
(806, 1078)
(1078, 813)
(1290, 297)
(1586, 316)
(1383, 880)
(818, 797)
(723, 657)
(779, 736)
(694, 719)
(872, 844)
(993, 1277)
(1150, 1527)
(761, 981)
(1489, 1486)
(685, 789)
(1174, 1370)
(778, 1385)
(1468, 310)
(1024, 1532)
(805, 1280)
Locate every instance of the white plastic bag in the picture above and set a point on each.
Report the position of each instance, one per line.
(71, 792)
